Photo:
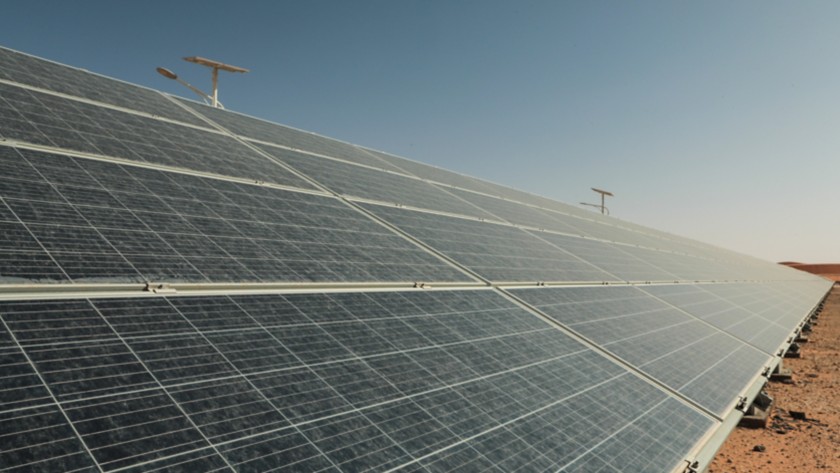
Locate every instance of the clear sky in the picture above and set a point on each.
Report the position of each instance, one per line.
(715, 120)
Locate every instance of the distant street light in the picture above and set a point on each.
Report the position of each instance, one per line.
(604, 209)
(171, 75)
(216, 66)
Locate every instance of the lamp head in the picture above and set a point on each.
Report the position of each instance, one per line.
(167, 73)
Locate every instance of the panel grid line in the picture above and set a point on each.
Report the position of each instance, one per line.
(43, 248)
(383, 403)
(604, 352)
(242, 375)
(502, 425)
(291, 368)
(163, 388)
(52, 395)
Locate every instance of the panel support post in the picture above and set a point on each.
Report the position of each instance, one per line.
(758, 412)
(781, 374)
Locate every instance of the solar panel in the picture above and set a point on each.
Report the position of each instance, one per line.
(357, 181)
(50, 120)
(41, 439)
(667, 343)
(613, 259)
(521, 214)
(319, 306)
(725, 315)
(449, 178)
(35, 72)
(496, 252)
(267, 132)
(192, 373)
(129, 223)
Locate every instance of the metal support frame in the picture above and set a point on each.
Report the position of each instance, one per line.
(701, 461)
(758, 412)
(781, 374)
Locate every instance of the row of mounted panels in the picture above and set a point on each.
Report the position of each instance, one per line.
(50, 120)
(419, 380)
(405, 380)
(602, 379)
(73, 219)
(665, 325)
(46, 75)
(43, 119)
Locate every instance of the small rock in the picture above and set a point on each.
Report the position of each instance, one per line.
(781, 431)
(759, 448)
(798, 415)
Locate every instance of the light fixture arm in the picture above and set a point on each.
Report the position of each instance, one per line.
(205, 97)
(601, 207)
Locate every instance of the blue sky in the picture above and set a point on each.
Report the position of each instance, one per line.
(714, 120)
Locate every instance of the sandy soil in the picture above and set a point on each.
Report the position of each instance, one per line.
(796, 445)
(828, 271)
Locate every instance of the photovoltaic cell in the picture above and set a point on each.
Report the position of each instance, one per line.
(20, 386)
(440, 175)
(49, 120)
(189, 395)
(73, 370)
(668, 344)
(540, 212)
(206, 460)
(35, 72)
(684, 267)
(41, 439)
(738, 321)
(768, 302)
(608, 257)
(562, 433)
(357, 181)
(132, 428)
(515, 212)
(573, 224)
(444, 176)
(199, 229)
(496, 252)
(649, 444)
(261, 130)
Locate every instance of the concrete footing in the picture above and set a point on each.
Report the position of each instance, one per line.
(781, 374)
(758, 412)
(793, 351)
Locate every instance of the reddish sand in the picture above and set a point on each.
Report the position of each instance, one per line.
(829, 271)
(791, 445)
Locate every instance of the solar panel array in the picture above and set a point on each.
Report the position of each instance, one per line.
(189, 289)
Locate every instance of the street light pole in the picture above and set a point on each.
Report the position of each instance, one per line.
(604, 209)
(216, 66)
